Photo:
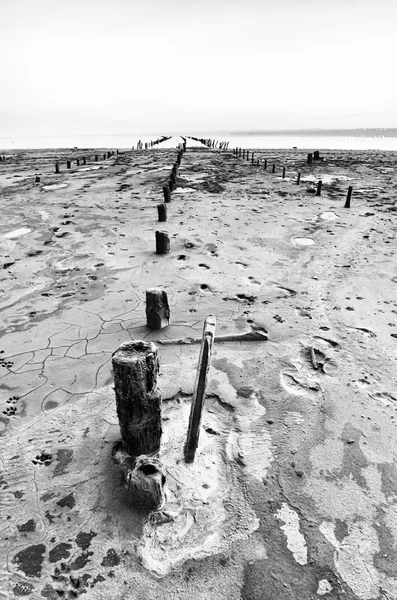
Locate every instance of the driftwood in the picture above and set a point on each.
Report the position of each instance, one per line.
(197, 406)
(250, 336)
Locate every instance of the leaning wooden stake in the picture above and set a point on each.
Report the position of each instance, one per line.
(299, 179)
(157, 308)
(348, 197)
(138, 398)
(196, 410)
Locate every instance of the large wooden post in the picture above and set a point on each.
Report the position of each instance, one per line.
(196, 410)
(162, 242)
(138, 397)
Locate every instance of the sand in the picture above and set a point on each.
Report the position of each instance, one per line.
(292, 494)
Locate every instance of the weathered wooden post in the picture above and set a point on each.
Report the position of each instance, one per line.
(197, 406)
(57, 167)
(162, 242)
(319, 186)
(258, 163)
(248, 155)
(252, 158)
(243, 154)
(84, 160)
(348, 197)
(96, 157)
(68, 164)
(299, 179)
(274, 168)
(104, 157)
(310, 158)
(109, 154)
(171, 185)
(283, 172)
(157, 308)
(162, 212)
(167, 193)
(316, 155)
(138, 397)
(78, 162)
(265, 164)
(37, 180)
(173, 178)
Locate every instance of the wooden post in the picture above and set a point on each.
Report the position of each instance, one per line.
(157, 308)
(162, 212)
(283, 172)
(252, 158)
(348, 197)
(310, 158)
(197, 406)
(265, 164)
(258, 163)
(96, 157)
(78, 162)
(56, 167)
(299, 179)
(138, 398)
(104, 157)
(319, 186)
(167, 193)
(171, 185)
(173, 177)
(37, 180)
(243, 153)
(84, 160)
(274, 168)
(248, 155)
(109, 154)
(68, 164)
(316, 155)
(162, 242)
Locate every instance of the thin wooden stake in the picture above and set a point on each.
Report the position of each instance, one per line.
(274, 168)
(283, 172)
(299, 179)
(265, 164)
(348, 197)
(196, 410)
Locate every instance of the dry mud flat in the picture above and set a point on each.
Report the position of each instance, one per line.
(293, 493)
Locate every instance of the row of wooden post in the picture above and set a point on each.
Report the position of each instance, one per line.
(242, 153)
(83, 160)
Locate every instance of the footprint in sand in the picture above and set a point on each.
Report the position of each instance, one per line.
(297, 385)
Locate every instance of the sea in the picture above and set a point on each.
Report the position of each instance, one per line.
(314, 139)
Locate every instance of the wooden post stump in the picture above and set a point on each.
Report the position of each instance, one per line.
(68, 164)
(265, 164)
(157, 308)
(37, 180)
(96, 157)
(310, 158)
(203, 368)
(319, 186)
(243, 153)
(84, 160)
(162, 242)
(104, 157)
(109, 154)
(299, 179)
(252, 157)
(316, 155)
(248, 155)
(283, 172)
(138, 398)
(171, 185)
(78, 162)
(162, 212)
(167, 193)
(57, 167)
(173, 177)
(348, 197)
(274, 168)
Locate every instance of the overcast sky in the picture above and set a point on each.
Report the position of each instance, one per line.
(114, 66)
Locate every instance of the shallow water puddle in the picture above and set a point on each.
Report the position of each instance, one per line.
(326, 178)
(328, 216)
(55, 186)
(303, 241)
(17, 233)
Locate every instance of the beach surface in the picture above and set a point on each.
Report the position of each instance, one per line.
(292, 495)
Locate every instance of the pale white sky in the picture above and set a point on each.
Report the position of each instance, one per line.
(124, 66)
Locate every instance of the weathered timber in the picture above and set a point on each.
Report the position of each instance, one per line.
(319, 186)
(167, 193)
(162, 242)
(162, 212)
(138, 397)
(157, 308)
(257, 335)
(349, 196)
(197, 406)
